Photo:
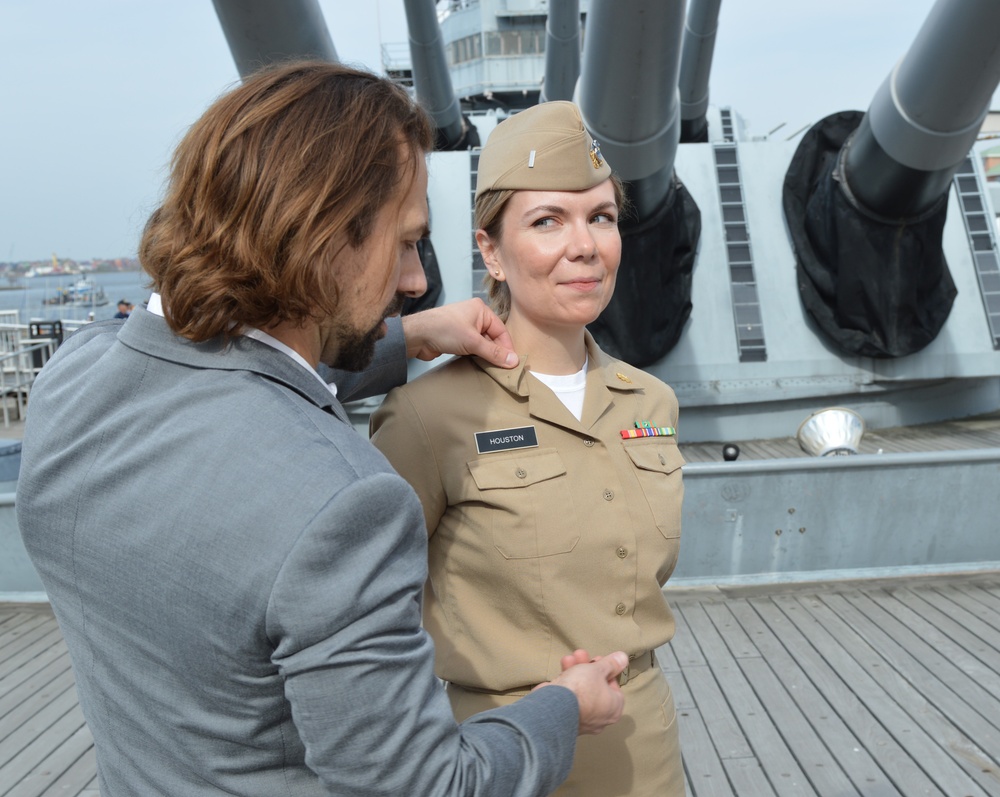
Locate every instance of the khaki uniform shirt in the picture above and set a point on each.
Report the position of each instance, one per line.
(538, 550)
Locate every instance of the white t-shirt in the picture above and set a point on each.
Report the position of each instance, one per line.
(569, 388)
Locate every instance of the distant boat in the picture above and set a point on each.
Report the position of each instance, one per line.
(82, 293)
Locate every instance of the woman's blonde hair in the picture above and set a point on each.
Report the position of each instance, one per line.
(489, 210)
(267, 187)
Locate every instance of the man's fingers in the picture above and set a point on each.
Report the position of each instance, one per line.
(498, 355)
(497, 338)
(494, 329)
(613, 665)
(574, 658)
(493, 352)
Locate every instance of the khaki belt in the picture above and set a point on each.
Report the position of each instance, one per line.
(638, 663)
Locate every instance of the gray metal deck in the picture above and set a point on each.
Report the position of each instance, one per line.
(980, 432)
(866, 688)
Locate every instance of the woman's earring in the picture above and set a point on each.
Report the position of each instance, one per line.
(497, 272)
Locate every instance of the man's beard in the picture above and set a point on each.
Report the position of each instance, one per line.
(357, 347)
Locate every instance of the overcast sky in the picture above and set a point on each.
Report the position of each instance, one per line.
(96, 93)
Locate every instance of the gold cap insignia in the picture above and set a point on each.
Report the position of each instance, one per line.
(595, 154)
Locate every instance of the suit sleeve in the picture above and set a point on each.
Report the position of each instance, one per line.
(399, 432)
(387, 369)
(344, 618)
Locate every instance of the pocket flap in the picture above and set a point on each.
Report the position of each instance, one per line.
(517, 471)
(657, 455)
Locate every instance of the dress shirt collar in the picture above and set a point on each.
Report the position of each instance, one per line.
(155, 306)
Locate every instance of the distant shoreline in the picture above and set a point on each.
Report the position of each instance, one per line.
(23, 281)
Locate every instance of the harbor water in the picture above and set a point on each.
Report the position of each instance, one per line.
(28, 295)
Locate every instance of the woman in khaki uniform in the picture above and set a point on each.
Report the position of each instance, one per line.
(552, 491)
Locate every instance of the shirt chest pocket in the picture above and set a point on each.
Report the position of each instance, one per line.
(658, 464)
(528, 504)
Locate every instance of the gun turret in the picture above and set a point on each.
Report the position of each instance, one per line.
(562, 50)
(628, 98)
(696, 64)
(432, 81)
(260, 32)
(865, 196)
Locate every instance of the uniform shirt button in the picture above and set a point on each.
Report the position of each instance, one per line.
(622, 553)
(620, 609)
(520, 473)
(609, 495)
(588, 442)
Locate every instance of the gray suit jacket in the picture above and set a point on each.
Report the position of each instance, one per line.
(237, 574)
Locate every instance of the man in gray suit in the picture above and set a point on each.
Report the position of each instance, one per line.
(236, 572)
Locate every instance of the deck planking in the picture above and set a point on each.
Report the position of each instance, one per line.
(886, 688)
(861, 688)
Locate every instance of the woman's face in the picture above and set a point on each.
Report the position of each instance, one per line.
(558, 253)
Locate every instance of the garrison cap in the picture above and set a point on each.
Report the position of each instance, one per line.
(543, 148)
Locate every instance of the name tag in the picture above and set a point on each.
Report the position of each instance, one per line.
(506, 439)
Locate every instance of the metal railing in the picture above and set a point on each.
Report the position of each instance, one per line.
(21, 358)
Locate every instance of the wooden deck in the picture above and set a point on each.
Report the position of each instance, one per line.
(864, 688)
(45, 747)
(831, 689)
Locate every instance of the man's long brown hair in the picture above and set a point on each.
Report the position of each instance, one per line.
(266, 187)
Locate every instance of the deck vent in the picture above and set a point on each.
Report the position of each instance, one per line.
(831, 432)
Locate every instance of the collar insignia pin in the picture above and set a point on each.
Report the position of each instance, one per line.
(623, 378)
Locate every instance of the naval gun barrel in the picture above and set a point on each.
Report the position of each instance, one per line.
(925, 116)
(261, 32)
(431, 79)
(562, 50)
(627, 94)
(865, 195)
(696, 65)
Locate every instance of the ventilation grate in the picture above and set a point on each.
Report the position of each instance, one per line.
(478, 267)
(743, 283)
(727, 124)
(982, 242)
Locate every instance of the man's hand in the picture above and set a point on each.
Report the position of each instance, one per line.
(468, 327)
(595, 684)
(577, 657)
